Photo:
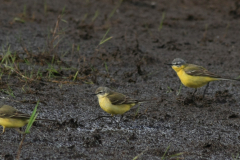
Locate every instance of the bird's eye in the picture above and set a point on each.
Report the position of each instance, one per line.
(178, 63)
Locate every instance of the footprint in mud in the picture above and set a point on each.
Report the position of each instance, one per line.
(219, 97)
(197, 101)
(224, 97)
(92, 141)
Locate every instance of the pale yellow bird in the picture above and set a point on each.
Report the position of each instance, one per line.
(12, 118)
(113, 102)
(194, 76)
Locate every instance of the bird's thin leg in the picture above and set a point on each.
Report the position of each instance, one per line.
(18, 130)
(119, 121)
(4, 129)
(113, 119)
(121, 118)
(205, 90)
(193, 95)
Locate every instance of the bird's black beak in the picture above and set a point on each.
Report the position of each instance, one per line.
(168, 64)
(93, 94)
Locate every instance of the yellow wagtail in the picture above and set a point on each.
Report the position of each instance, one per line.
(12, 118)
(114, 102)
(194, 76)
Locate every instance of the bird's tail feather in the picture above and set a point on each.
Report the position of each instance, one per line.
(39, 119)
(230, 79)
(147, 100)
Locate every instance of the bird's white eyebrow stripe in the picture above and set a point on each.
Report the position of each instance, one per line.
(176, 63)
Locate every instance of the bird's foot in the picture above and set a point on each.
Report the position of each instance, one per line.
(4, 129)
(18, 130)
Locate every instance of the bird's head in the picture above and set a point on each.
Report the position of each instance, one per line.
(102, 91)
(177, 64)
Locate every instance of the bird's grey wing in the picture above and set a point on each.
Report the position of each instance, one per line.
(7, 111)
(195, 70)
(3, 115)
(18, 114)
(118, 98)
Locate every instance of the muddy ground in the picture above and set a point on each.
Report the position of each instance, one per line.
(145, 35)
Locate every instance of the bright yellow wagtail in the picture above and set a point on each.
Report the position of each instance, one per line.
(114, 102)
(194, 76)
(12, 118)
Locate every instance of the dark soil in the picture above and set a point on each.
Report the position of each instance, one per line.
(132, 62)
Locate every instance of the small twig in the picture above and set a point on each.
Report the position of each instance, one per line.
(25, 49)
(19, 73)
(29, 125)
(54, 35)
(20, 147)
(56, 26)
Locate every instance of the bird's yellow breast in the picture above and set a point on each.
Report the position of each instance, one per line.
(13, 122)
(108, 107)
(192, 81)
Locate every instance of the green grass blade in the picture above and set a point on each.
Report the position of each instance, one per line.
(105, 35)
(95, 16)
(163, 157)
(106, 67)
(75, 76)
(32, 118)
(161, 23)
(179, 91)
(105, 40)
(115, 8)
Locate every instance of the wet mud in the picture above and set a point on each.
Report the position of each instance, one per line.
(145, 35)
